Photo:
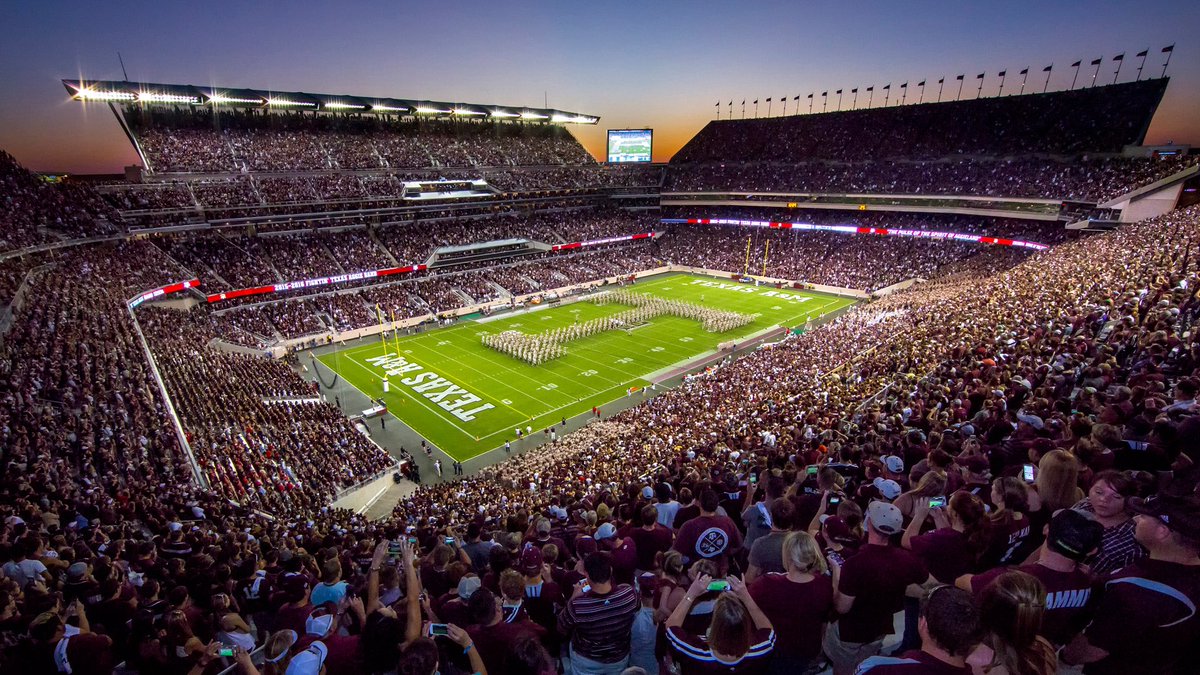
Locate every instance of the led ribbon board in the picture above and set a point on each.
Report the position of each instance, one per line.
(854, 229)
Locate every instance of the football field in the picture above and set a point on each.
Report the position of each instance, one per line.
(466, 398)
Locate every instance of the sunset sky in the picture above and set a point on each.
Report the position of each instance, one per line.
(636, 64)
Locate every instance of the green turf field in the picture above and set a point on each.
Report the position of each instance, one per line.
(466, 398)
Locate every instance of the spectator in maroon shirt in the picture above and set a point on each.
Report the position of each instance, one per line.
(688, 509)
(708, 536)
(949, 627)
(493, 636)
(1153, 600)
(871, 587)
(1071, 536)
(651, 538)
(1011, 528)
(623, 550)
(798, 602)
(951, 550)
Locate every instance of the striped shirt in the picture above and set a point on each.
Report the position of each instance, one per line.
(1118, 548)
(696, 657)
(600, 626)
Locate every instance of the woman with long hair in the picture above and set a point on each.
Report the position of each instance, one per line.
(229, 626)
(932, 484)
(739, 638)
(960, 537)
(798, 603)
(1057, 482)
(277, 652)
(1011, 610)
(1011, 531)
(672, 584)
(182, 645)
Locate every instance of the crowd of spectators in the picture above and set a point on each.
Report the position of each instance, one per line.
(1085, 179)
(35, 211)
(179, 142)
(779, 513)
(993, 471)
(259, 432)
(1094, 120)
(863, 262)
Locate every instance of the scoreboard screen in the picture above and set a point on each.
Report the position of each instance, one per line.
(630, 145)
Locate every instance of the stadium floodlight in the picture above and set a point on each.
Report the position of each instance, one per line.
(85, 94)
(388, 108)
(467, 111)
(217, 99)
(432, 111)
(286, 102)
(572, 119)
(338, 105)
(504, 113)
(534, 116)
(150, 97)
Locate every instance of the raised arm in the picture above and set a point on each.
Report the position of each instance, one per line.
(740, 589)
(373, 576)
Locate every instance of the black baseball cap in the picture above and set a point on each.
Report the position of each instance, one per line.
(1074, 534)
(1181, 514)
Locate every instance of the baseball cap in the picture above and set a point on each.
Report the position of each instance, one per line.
(543, 526)
(837, 530)
(647, 492)
(606, 531)
(1032, 420)
(320, 621)
(890, 489)
(885, 517)
(893, 464)
(1074, 534)
(77, 571)
(467, 587)
(530, 562)
(1181, 514)
(310, 661)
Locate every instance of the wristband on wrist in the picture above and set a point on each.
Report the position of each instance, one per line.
(468, 647)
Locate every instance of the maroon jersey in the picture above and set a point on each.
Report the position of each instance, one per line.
(876, 577)
(797, 611)
(1069, 598)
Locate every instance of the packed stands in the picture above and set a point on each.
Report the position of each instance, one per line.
(1095, 180)
(1094, 120)
(1001, 459)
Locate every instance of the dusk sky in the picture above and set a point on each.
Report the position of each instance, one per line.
(636, 64)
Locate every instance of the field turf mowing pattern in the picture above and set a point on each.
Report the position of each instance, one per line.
(596, 370)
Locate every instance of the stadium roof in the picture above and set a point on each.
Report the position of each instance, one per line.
(149, 93)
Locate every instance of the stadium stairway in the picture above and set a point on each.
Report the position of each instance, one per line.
(375, 238)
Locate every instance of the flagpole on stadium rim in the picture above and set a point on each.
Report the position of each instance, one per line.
(1169, 49)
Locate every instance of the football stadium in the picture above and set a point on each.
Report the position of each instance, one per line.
(891, 378)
